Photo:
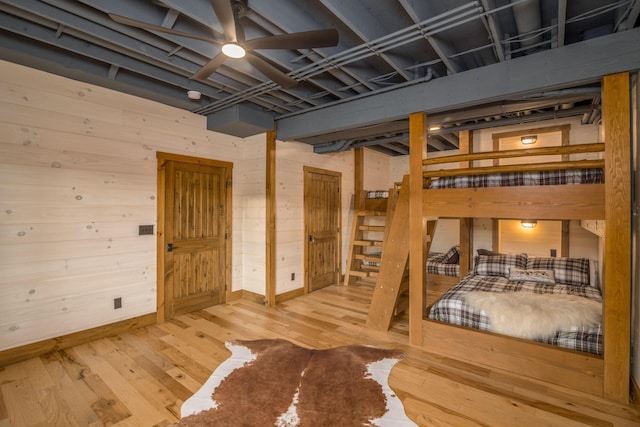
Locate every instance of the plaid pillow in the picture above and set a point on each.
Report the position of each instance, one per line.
(452, 256)
(499, 265)
(567, 271)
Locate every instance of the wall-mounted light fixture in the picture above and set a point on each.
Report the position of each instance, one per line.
(529, 223)
(529, 139)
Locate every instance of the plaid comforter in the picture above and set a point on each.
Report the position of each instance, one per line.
(435, 265)
(451, 309)
(512, 179)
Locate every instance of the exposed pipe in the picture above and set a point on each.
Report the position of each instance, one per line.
(561, 93)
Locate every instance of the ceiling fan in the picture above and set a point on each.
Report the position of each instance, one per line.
(235, 45)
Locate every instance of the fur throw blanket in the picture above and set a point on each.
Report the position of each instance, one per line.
(534, 316)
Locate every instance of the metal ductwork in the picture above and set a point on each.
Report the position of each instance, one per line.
(528, 22)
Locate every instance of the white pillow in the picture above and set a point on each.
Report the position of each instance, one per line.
(538, 276)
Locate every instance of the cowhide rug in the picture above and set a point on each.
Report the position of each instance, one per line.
(277, 383)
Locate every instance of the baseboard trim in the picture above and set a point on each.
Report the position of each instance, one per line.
(36, 349)
(252, 296)
(235, 295)
(289, 295)
(261, 299)
(635, 394)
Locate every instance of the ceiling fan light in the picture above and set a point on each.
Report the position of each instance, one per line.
(232, 50)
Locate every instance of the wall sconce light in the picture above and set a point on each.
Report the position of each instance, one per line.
(529, 223)
(529, 139)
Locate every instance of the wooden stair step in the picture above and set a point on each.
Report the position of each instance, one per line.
(370, 213)
(358, 273)
(375, 228)
(367, 243)
(369, 257)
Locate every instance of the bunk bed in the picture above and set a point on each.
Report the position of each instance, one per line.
(602, 372)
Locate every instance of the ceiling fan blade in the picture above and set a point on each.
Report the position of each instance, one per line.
(139, 24)
(271, 72)
(303, 40)
(224, 13)
(208, 69)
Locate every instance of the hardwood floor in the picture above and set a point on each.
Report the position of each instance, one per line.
(141, 378)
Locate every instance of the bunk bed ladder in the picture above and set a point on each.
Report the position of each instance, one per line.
(367, 237)
(390, 295)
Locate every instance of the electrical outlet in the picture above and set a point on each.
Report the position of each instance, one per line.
(145, 229)
(293, 276)
(117, 303)
(554, 253)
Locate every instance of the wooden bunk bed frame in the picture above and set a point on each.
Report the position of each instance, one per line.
(607, 376)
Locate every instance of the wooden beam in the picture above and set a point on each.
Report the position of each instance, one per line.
(160, 233)
(518, 152)
(580, 202)
(358, 174)
(270, 208)
(417, 257)
(466, 224)
(617, 250)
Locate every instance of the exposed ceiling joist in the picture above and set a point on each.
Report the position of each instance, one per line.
(551, 69)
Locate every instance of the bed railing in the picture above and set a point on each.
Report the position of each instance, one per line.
(562, 164)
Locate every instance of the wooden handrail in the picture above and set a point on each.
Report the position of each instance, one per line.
(577, 164)
(540, 151)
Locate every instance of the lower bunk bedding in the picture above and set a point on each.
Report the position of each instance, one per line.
(440, 263)
(444, 263)
(548, 300)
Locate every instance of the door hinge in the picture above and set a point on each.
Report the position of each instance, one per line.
(228, 183)
(226, 236)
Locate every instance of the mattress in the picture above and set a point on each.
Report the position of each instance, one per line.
(450, 308)
(513, 179)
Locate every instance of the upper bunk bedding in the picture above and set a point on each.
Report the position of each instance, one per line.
(549, 300)
(522, 178)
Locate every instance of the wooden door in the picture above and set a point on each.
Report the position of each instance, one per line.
(322, 217)
(197, 233)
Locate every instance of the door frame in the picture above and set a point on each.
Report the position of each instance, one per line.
(306, 171)
(161, 241)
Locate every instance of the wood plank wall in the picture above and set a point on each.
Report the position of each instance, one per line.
(77, 178)
(291, 158)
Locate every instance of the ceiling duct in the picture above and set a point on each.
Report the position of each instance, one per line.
(528, 22)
